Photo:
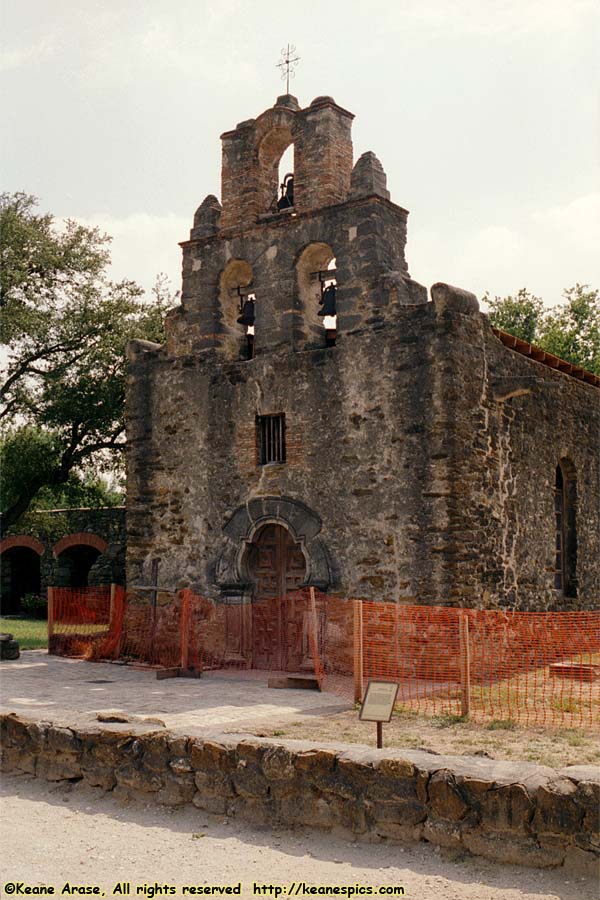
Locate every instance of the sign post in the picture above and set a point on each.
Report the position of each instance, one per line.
(378, 705)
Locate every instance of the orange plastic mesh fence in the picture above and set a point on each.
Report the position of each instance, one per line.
(534, 668)
(86, 621)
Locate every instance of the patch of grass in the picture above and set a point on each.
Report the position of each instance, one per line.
(405, 712)
(574, 738)
(32, 634)
(446, 720)
(502, 725)
(565, 705)
(278, 733)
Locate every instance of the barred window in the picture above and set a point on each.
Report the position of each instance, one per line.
(271, 439)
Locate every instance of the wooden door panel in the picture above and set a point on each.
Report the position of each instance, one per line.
(277, 567)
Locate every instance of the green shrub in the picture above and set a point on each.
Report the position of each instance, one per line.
(35, 606)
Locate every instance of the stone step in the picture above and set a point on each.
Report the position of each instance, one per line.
(300, 682)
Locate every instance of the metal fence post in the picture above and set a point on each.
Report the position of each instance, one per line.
(185, 625)
(465, 665)
(358, 651)
(50, 614)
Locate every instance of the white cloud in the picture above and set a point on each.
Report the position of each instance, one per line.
(513, 18)
(178, 51)
(16, 57)
(545, 251)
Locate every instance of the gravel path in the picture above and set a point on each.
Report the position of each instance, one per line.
(51, 834)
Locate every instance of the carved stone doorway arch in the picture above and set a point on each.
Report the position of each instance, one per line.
(271, 551)
(304, 525)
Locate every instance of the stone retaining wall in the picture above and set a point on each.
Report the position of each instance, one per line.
(511, 812)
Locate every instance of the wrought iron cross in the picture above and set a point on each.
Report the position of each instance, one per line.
(288, 64)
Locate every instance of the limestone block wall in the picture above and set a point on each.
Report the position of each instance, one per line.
(358, 428)
(427, 449)
(519, 813)
(367, 237)
(506, 422)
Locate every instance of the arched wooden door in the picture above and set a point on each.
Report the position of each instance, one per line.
(277, 565)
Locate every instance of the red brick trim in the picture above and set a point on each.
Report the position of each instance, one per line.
(22, 540)
(80, 539)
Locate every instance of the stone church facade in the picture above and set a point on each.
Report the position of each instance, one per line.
(403, 450)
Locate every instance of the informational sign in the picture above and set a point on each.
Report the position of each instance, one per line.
(379, 701)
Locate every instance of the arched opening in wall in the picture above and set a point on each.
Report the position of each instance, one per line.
(238, 308)
(20, 576)
(275, 563)
(272, 149)
(286, 180)
(317, 288)
(565, 510)
(74, 565)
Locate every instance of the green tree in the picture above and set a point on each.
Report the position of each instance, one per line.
(520, 315)
(65, 327)
(570, 330)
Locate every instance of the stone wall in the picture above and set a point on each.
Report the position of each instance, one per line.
(422, 450)
(511, 812)
(52, 530)
(426, 449)
(508, 421)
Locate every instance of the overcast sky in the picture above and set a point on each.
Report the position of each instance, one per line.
(484, 113)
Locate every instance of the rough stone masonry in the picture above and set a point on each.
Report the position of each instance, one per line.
(419, 457)
(520, 813)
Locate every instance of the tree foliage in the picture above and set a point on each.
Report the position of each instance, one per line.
(570, 330)
(64, 328)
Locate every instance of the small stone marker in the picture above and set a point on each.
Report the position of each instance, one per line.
(378, 705)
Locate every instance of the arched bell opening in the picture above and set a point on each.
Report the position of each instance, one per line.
(20, 576)
(276, 170)
(237, 301)
(317, 289)
(285, 200)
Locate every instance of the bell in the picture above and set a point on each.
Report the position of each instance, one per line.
(247, 316)
(287, 193)
(327, 302)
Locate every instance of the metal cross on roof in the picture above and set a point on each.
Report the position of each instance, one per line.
(288, 64)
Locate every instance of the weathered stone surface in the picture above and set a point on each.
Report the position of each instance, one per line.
(175, 791)
(278, 764)
(456, 803)
(519, 851)
(129, 776)
(588, 797)
(211, 755)
(442, 832)
(402, 812)
(507, 808)
(59, 767)
(557, 810)
(445, 797)
(582, 862)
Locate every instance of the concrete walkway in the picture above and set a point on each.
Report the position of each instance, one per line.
(73, 690)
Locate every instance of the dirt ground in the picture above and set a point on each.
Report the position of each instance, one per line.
(53, 834)
(446, 734)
